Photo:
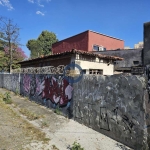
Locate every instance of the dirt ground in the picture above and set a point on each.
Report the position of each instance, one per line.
(26, 125)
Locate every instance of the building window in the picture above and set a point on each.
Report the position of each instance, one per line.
(84, 71)
(98, 48)
(96, 71)
(135, 62)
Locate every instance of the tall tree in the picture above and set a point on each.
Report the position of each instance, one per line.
(9, 35)
(43, 44)
(34, 48)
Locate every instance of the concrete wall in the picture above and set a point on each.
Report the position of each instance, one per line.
(53, 91)
(10, 82)
(115, 106)
(146, 43)
(1, 80)
(129, 57)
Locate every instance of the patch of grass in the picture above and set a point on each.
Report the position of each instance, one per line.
(44, 124)
(76, 146)
(1, 96)
(34, 133)
(54, 147)
(17, 91)
(57, 111)
(29, 115)
(7, 98)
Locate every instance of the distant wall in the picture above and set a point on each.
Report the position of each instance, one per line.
(131, 57)
(114, 106)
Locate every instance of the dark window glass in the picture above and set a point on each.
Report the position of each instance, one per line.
(135, 62)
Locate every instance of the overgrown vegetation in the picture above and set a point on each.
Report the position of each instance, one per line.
(29, 115)
(7, 98)
(57, 111)
(44, 124)
(54, 147)
(76, 146)
(17, 91)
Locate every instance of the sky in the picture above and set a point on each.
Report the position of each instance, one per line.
(122, 19)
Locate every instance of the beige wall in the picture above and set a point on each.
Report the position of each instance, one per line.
(107, 69)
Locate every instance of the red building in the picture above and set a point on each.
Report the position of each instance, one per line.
(88, 41)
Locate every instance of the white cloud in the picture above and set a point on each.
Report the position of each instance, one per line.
(40, 13)
(31, 1)
(7, 4)
(41, 5)
(38, 2)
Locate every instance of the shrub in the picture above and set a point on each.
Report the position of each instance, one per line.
(76, 146)
(7, 98)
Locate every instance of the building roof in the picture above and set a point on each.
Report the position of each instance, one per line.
(74, 51)
(106, 35)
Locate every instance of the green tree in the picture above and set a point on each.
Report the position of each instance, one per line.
(34, 48)
(43, 44)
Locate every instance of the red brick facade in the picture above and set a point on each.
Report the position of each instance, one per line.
(108, 42)
(86, 40)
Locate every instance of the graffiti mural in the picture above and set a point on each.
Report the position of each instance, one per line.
(49, 90)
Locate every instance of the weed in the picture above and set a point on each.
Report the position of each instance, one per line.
(7, 98)
(29, 115)
(76, 146)
(17, 91)
(45, 140)
(36, 134)
(54, 147)
(57, 111)
(1, 96)
(44, 124)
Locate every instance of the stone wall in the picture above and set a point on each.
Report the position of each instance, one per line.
(115, 106)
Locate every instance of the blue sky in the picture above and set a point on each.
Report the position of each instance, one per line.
(122, 19)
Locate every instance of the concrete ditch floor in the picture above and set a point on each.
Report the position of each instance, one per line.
(60, 131)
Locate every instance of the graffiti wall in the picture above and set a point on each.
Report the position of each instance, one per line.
(114, 106)
(117, 106)
(53, 91)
